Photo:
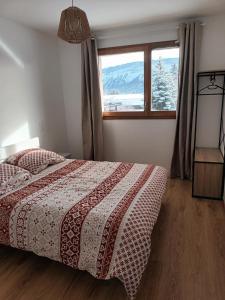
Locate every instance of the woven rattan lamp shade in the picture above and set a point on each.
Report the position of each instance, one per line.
(74, 27)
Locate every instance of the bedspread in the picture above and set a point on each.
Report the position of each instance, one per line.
(94, 216)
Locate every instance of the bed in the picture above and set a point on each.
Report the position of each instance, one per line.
(93, 216)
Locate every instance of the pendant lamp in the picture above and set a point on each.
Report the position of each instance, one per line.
(74, 27)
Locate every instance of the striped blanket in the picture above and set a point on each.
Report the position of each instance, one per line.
(94, 216)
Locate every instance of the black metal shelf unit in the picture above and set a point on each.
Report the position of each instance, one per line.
(209, 163)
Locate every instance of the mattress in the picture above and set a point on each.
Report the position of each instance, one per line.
(93, 216)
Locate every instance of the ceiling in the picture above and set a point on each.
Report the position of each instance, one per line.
(104, 14)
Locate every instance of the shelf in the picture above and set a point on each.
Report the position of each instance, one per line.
(211, 155)
(209, 162)
(208, 73)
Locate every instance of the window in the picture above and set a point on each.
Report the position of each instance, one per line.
(123, 81)
(139, 81)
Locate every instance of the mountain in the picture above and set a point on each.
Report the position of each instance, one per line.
(129, 78)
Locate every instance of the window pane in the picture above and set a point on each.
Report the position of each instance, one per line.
(165, 65)
(122, 78)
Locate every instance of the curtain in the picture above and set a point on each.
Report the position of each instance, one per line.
(189, 39)
(91, 102)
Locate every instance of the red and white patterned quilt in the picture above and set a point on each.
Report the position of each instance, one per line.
(94, 216)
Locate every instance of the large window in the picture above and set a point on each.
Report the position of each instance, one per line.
(139, 81)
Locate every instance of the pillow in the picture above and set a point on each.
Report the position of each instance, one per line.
(34, 160)
(11, 177)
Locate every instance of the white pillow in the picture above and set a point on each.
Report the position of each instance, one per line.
(35, 160)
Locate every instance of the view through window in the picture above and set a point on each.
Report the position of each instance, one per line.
(165, 65)
(140, 80)
(123, 81)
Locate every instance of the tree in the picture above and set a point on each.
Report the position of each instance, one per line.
(174, 84)
(161, 93)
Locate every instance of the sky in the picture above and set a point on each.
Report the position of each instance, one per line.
(120, 59)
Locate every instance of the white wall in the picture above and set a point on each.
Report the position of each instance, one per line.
(139, 140)
(31, 98)
(70, 61)
(213, 44)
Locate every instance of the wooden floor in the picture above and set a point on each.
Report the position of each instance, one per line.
(187, 260)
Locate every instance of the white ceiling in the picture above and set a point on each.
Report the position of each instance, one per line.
(103, 14)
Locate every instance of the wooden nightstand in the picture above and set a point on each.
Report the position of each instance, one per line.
(66, 155)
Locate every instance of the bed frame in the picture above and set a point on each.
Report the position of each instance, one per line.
(11, 149)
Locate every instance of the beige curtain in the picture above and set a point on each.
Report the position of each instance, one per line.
(189, 38)
(91, 103)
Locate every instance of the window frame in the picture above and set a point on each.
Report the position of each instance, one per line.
(147, 113)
